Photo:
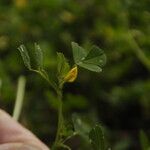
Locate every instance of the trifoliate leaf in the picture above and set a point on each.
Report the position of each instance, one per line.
(38, 54)
(25, 56)
(97, 138)
(94, 60)
(62, 66)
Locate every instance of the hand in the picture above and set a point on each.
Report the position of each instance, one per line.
(15, 137)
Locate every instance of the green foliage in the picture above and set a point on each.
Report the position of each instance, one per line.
(74, 101)
(81, 127)
(97, 138)
(120, 94)
(145, 143)
(62, 67)
(92, 135)
(52, 100)
(78, 53)
(38, 57)
(92, 61)
(25, 56)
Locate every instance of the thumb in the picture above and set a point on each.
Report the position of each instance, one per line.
(12, 134)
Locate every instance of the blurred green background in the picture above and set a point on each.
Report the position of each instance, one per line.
(118, 98)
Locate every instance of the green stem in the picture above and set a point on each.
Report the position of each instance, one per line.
(139, 52)
(58, 90)
(19, 97)
(53, 84)
(60, 116)
(69, 137)
(65, 146)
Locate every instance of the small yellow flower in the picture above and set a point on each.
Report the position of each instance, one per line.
(71, 75)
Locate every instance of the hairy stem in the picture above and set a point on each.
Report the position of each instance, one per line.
(53, 84)
(69, 137)
(60, 116)
(19, 97)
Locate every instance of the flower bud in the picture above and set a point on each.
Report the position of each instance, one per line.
(71, 75)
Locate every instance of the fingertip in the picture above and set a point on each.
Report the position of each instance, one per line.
(3, 113)
(18, 146)
(12, 132)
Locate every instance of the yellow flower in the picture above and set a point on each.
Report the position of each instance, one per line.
(71, 75)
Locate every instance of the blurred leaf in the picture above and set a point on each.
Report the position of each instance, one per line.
(63, 66)
(25, 56)
(75, 101)
(145, 144)
(97, 138)
(38, 57)
(81, 127)
(122, 143)
(92, 61)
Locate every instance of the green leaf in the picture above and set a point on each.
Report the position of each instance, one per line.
(78, 53)
(81, 127)
(91, 67)
(63, 66)
(96, 56)
(25, 56)
(38, 56)
(39, 63)
(93, 61)
(97, 138)
(145, 144)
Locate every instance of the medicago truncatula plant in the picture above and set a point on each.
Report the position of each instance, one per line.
(92, 60)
